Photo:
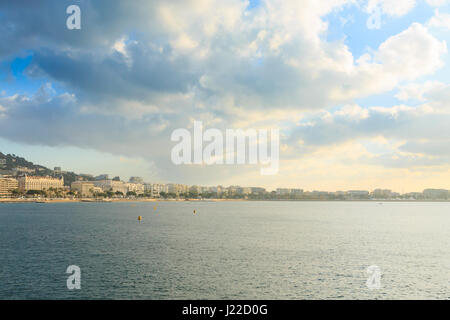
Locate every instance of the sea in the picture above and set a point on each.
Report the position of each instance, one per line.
(225, 250)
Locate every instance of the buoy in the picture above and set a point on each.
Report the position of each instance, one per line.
(139, 218)
(154, 208)
(195, 212)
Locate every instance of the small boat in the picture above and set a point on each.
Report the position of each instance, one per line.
(40, 201)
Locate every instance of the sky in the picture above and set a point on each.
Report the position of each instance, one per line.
(358, 105)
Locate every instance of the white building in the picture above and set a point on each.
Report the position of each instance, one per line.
(85, 188)
(112, 185)
(177, 188)
(138, 188)
(155, 189)
(283, 191)
(40, 183)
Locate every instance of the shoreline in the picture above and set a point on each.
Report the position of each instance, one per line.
(89, 200)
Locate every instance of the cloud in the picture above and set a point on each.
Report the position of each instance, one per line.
(418, 91)
(412, 53)
(136, 71)
(272, 57)
(439, 20)
(438, 3)
(422, 132)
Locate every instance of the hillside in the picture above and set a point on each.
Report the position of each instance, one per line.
(13, 161)
(11, 164)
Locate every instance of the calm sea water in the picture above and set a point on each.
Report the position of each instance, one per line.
(227, 250)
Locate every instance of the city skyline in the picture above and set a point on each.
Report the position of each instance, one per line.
(141, 185)
(361, 104)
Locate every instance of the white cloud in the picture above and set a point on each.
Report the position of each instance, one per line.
(438, 3)
(412, 53)
(439, 20)
(417, 91)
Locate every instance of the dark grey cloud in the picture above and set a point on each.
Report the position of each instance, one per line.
(107, 76)
(56, 120)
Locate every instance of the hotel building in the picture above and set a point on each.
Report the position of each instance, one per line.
(39, 183)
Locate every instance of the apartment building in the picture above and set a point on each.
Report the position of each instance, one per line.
(138, 188)
(112, 185)
(6, 186)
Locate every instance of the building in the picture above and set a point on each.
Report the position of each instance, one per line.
(84, 188)
(216, 189)
(233, 190)
(245, 190)
(57, 170)
(7, 185)
(436, 194)
(6, 172)
(148, 187)
(413, 195)
(27, 183)
(258, 190)
(297, 192)
(195, 190)
(155, 189)
(321, 194)
(382, 194)
(112, 185)
(177, 188)
(2, 163)
(21, 170)
(138, 188)
(358, 194)
(283, 191)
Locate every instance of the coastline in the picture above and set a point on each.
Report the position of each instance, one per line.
(88, 200)
(41, 200)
